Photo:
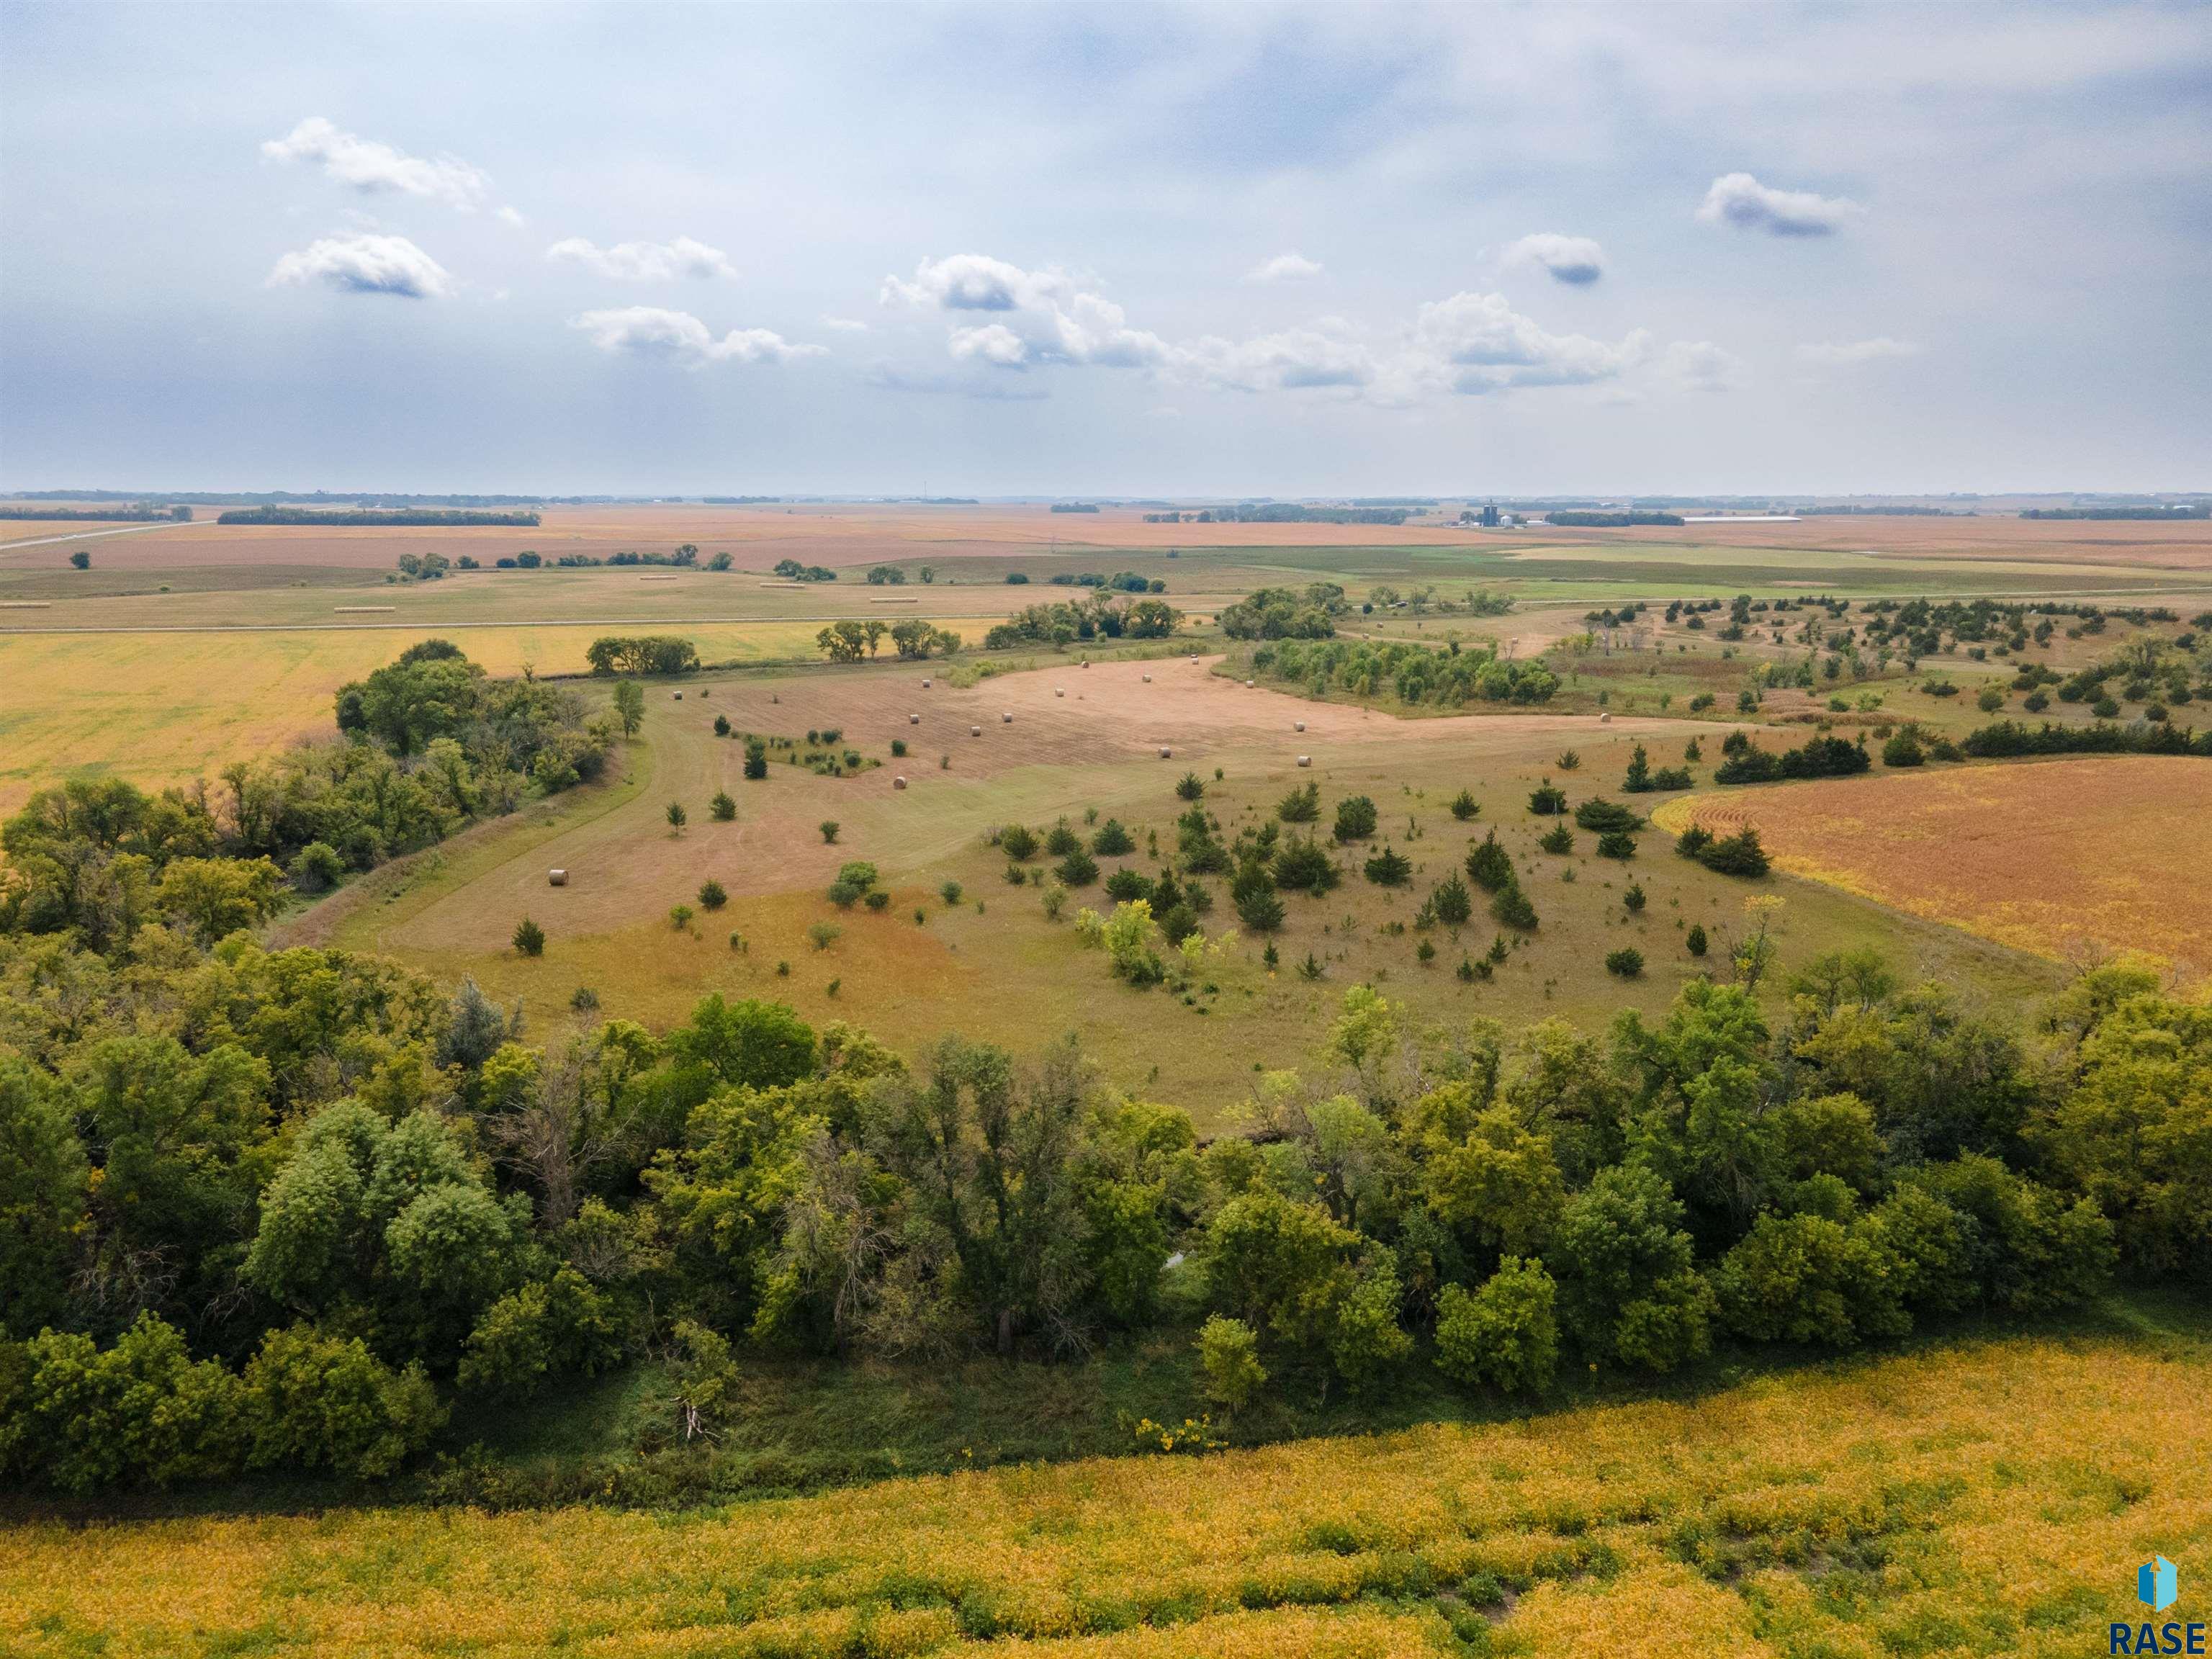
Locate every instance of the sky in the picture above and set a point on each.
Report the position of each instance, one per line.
(1124, 251)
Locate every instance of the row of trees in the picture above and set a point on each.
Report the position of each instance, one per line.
(1286, 613)
(1096, 616)
(1417, 675)
(277, 1209)
(430, 744)
(646, 654)
(916, 638)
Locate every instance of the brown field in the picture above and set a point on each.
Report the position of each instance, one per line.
(2058, 857)
(2117, 544)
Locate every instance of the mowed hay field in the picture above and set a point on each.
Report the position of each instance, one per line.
(1990, 1499)
(2051, 857)
(993, 966)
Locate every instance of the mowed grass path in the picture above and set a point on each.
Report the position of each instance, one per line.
(1989, 1499)
(2055, 856)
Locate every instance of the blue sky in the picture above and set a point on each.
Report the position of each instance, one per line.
(1061, 250)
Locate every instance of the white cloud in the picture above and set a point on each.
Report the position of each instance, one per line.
(1849, 353)
(366, 264)
(652, 331)
(372, 168)
(1575, 259)
(645, 262)
(1701, 366)
(845, 325)
(1037, 316)
(1322, 354)
(1740, 200)
(1284, 268)
(1477, 342)
(508, 216)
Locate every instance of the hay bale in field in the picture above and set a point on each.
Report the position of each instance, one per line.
(1305, 760)
(1301, 725)
(556, 878)
(974, 731)
(1605, 720)
(898, 783)
(1006, 717)
(678, 696)
(1166, 753)
(1248, 685)
(913, 720)
(1059, 691)
(924, 685)
(1148, 679)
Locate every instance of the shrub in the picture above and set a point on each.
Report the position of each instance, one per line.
(679, 917)
(1616, 844)
(1600, 816)
(898, 748)
(1512, 909)
(1389, 868)
(1190, 787)
(1061, 840)
(1806, 1278)
(1078, 869)
(950, 892)
(878, 899)
(317, 866)
(319, 1401)
(1488, 866)
(1903, 749)
(1300, 805)
(529, 938)
(1633, 899)
(829, 828)
(823, 934)
(756, 758)
(1506, 1334)
(1991, 700)
(1303, 864)
(1452, 902)
(1355, 818)
(1018, 841)
(723, 807)
(721, 725)
(1464, 806)
(677, 816)
(711, 896)
(1625, 964)
(1548, 800)
(1559, 839)
(1229, 1360)
(1695, 942)
(1739, 854)
(1112, 840)
(1125, 884)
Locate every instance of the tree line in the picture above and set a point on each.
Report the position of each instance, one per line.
(1446, 677)
(442, 518)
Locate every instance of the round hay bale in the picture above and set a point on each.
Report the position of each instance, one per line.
(1248, 685)
(1605, 720)
(1085, 663)
(913, 720)
(556, 878)
(1301, 725)
(1059, 691)
(1166, 753)
(924, 685)
(1305, 760)
(1148, 679)
(1006, 717)
(974, 731)
(679, 697)
(898, 783)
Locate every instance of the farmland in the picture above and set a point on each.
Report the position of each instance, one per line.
(2056, 858)
(1988, 1497)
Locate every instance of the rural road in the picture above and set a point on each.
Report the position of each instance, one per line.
(89, 535)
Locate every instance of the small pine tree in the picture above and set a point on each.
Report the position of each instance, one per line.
(755, 759)
(723, 806)
(1633, 899)
(529, 937)
(1639, 781)
(1488, 867)
(828, 827)
(1452, 904)
(1558, 839)
(1190, 787)
(1548, 800)
(1390, 868)
(711, 896)
(1464, 806)
(1695, 942)
(1624, 964)
(1512, 909)
(1616, 844)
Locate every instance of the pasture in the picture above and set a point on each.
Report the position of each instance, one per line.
(1981, 1497)
(994, 965)
(2064, 858)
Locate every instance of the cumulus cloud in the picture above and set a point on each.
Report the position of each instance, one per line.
(1477, 342)
(1284, 268)
(1739, 200)
(1701, 366)
(373, 167)
(1037, 316)
(1324, 354)
(845, 325)
(1849, 353)
(1575, 259)
(645, 262)
(677, 336)
(365, 263)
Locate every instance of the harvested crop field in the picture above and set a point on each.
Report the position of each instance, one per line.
(2050, 857)
(1983, 1500)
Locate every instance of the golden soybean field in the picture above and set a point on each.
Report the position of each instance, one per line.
(1989, 1499)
